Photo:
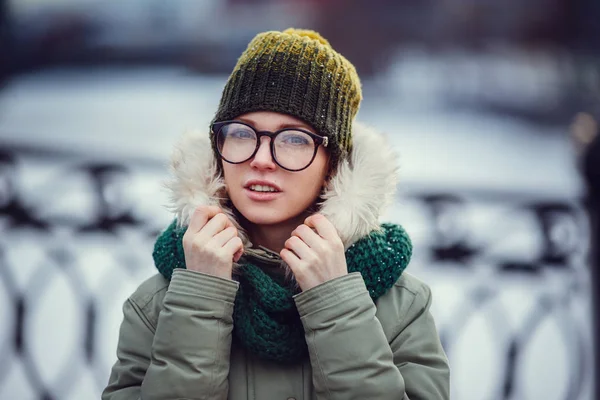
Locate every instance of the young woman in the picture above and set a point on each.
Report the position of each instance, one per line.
(276, 280)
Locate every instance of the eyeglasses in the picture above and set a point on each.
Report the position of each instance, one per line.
(292, 149)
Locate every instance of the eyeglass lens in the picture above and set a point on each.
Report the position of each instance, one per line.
(293, 149)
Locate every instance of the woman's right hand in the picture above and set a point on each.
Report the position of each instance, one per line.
(211, 243)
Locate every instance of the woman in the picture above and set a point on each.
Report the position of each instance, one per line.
(276, 280)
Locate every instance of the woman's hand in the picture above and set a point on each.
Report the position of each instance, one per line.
(211, 243)
(315, 257)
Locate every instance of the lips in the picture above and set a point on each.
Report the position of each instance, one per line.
(256, 182)
(266, 191)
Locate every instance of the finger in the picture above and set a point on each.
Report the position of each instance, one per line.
(224, 236)
(300, 248)
(324, 228)
(308, 236)
(234, 246)
(238, 254)
(201, 216)
(216, 224)
(290, 259)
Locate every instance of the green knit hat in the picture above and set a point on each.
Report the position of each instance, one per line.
(296, 72)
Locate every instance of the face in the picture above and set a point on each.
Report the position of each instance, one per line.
(295, 191)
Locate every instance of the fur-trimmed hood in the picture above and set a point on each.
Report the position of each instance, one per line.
(353, 200)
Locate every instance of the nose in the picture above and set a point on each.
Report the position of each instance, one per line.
(263, 159)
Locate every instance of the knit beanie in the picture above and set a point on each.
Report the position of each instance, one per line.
(296, 72)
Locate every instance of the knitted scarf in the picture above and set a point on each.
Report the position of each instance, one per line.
(266, 321)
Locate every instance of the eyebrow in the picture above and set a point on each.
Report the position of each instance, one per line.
(282, 126)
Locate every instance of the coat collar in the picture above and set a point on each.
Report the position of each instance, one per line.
(354, 198)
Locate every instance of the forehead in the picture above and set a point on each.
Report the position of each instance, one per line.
(268, 120)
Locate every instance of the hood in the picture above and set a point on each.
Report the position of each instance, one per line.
(353, 200)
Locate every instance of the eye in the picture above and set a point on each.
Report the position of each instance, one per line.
(240, 132)
(295, 139)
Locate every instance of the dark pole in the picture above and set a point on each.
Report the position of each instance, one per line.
(584, 43)
(591, 172)
(5, 41)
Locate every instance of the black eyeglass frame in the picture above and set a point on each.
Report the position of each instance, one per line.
(318, 141)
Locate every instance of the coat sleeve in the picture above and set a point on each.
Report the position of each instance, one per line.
(351, 356)
(187, 356)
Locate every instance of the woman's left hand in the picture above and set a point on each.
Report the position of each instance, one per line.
(315, 257)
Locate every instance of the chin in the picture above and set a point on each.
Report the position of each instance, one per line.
(268, 213)
(263, 216)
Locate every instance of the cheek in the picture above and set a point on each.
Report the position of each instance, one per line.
(309, 186)
(229, 177)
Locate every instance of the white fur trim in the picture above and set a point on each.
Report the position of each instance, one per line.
(356, 197)
(194, 179)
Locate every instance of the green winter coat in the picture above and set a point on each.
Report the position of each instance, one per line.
(175, 340)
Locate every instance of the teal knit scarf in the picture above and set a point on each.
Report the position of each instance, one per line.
(266, 321)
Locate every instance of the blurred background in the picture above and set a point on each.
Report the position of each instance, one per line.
(493, 107)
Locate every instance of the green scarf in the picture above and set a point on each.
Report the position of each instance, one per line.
(266, 321)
